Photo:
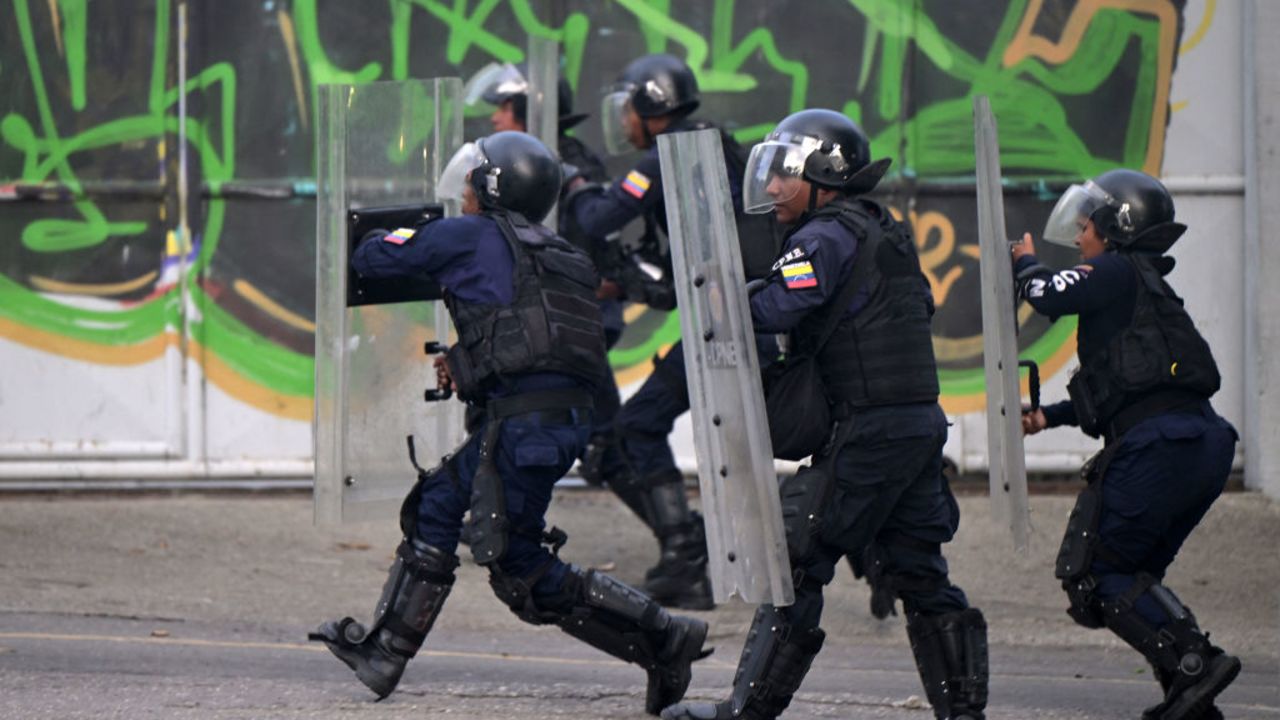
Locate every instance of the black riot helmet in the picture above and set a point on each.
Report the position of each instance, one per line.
(651, 86)
(508, 171)
(823, 147)
(660, 85)
(1130, 209)
(499, 83)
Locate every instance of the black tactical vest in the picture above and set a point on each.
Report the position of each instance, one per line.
(552, 324)
(883, 355)
(1160, 353)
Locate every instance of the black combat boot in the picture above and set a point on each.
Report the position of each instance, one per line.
(774, 661)
(1191, 670)
(623, 622)
(1166, 683)
(951, 655)
(680, 578)
(416, 588)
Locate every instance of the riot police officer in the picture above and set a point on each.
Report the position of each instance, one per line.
(655, 94)
(506, 88)
(849, 271)
(1144, 383)
(529, 353)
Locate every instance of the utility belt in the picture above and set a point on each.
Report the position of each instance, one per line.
(552, 406)
(1156, 403)
(489, 525)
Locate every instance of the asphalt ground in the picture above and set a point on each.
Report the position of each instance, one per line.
(197, 606)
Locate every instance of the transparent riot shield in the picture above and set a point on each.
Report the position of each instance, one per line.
(542, 114)
(380, 148)
(1007, 464)
(746, 545)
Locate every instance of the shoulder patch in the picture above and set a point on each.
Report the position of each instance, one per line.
(636, 184)
(799, 275)
(792, 255)
(400, 236)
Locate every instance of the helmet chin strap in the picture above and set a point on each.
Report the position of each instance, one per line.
(813, 197)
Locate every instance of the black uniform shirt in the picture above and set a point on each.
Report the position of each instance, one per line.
(1101, 291)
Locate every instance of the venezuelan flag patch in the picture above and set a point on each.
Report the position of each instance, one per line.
(636, 184)
(799, 275)
(399, 237)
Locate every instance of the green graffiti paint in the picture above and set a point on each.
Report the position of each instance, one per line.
(935, 139)
(75, 23)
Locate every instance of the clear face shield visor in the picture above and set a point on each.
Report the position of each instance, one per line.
(615, 116)
(775, 172)
(453, 181)
(494, 83)
(1073, 210)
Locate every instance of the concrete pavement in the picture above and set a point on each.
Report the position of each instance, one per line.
(198, 605)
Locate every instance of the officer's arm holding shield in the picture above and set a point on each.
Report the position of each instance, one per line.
(848, 288)
(529, 353)
(1143, 385)
(1090, 287)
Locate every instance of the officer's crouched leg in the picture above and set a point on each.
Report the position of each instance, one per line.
(775, 659)
(618, 619)
(417, 584)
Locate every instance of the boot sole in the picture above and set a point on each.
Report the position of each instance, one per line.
(1195, 702)
(691, 653)
(376, 682)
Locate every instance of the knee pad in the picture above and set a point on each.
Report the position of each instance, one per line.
(517, 594)
(1076, 553)
(804, 497)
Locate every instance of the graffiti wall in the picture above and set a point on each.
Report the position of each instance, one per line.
(157, 209)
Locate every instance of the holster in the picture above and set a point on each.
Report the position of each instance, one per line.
(463, 373)
(806, 497)
(488, 522)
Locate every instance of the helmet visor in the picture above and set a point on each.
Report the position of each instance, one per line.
(775, 173)
(454, 178)
(1073, 210)
(494, 83)
(615, 106)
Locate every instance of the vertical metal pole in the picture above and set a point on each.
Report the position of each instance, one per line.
(1261, 258)
(193, 374)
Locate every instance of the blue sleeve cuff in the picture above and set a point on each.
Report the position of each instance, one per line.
(1059, 414)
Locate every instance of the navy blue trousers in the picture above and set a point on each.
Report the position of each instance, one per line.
(888, 482)
(1163, 478)
(531, 457)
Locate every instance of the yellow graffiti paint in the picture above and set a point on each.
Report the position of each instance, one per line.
(1210, 6)
(89, 352)
(216, 371)
(295, 69)
(292, 407)
(45, 284)
(264, 303)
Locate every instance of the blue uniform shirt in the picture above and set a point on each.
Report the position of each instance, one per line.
(470, 259)
(638, 193)
(815, 263)
(1101, 291)
(467, 255)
